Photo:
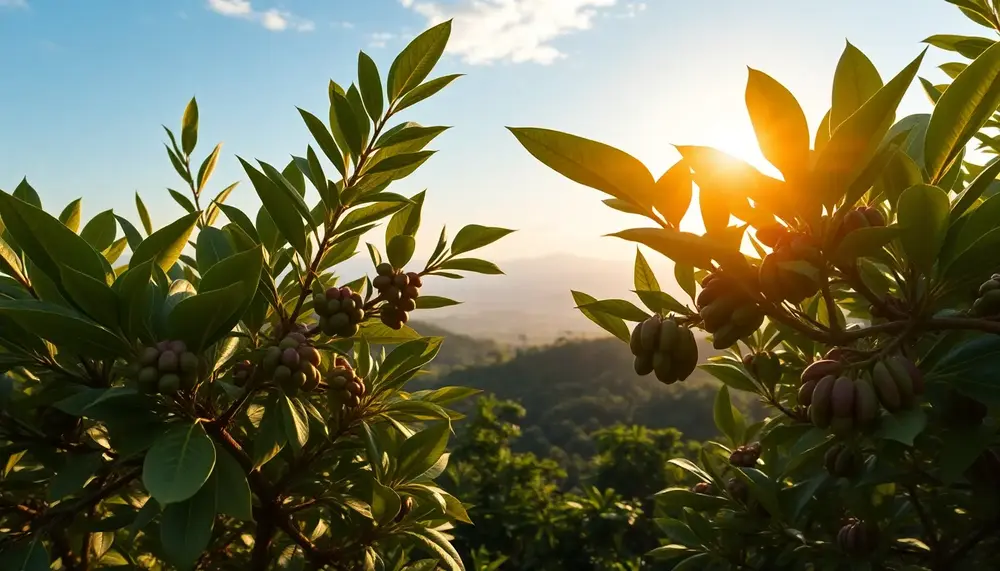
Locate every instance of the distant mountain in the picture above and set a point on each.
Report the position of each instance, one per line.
(532, 303)
(572, 388)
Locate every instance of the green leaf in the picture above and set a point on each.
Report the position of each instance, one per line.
(968, 46)
(385, 503)
(189, 127)
(406, 219)
(616, 307)
(970, 368)
(725, 420)
(212, 246)
(417, 59)
(434, 302)
(295, 421)
(379, 334)
(186, 527)
(474, 236)
(961, 112)
(101, 230)
(613, 325)
(207, 167)
(855, 82)
(858, 138)
(347, 122)
(865, 242)
(325, 140)
(93, 297)
(976, 188)
(165, 245)
(408, 133)
(25, 192)
(270, 437)
(74, 475)
(368, 214)
(182, 200)
(396, 163)
(203, 319)
(425, 90)
(360, 115)
(661, 302)
(70, 216)
(672, 193)
(902, 426)
(400, 249)
(422, 450)
(47, 242)
(645, 279)
(232, 490)
(371, 86)
(276, 203)
(731, 376)
(681, 247)
(65, 328)
(590, 163)
(143, 215)
(471, 265)
(923, 216)
(780, 124)
(179, 463)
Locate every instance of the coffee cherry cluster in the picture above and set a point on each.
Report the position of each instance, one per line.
(858, 538)
(837, 401)
(843, 461)
(340, 311)
(293, 364)
(745, 456)
(791, 271)
(400, 292)
(860, 217)
(343, 385)
(764, 366)
(898, 383)
(727, 312)
(988, 302)
(168, 367)
(664, 347)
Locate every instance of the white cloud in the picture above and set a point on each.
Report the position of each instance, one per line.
(486, 31)
(345, 25)
(272, 19)
(13, 4)
(379, 39)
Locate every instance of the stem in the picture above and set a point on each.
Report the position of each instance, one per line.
(929, 531)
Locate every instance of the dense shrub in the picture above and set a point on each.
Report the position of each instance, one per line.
(857, 296)
(214, 402)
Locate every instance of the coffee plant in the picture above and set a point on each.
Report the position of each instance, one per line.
(855, 295)
(225, 399)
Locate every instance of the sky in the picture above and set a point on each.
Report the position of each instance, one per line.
(86, 86)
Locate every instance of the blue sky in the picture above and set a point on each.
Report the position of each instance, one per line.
(85, 87)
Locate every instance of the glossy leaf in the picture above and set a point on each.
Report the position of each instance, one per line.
(189, 127)
(186, 527)
(855, 82)
(65, 328)
(277, 204)
(179, 463)
(426, 90)
(371, 86)
(962, 111)
(417, 59)
(420, 451)
(474, 236)
(779, 123)
(672, 194)
(70, 216)
(471, 265)
(325, 141)
(613, 325)
(589, 163)
(165, 245)
(202, 319)
(923, 216)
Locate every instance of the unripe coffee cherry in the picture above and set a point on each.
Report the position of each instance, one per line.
(842, 461)
(415, 279)
(738, 489)
(290, 358)
(858, 538)
(384, 269)
(169, 362)
(169, 384)
(149, 356)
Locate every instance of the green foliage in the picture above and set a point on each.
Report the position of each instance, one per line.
(876, 359)
(190, 409)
